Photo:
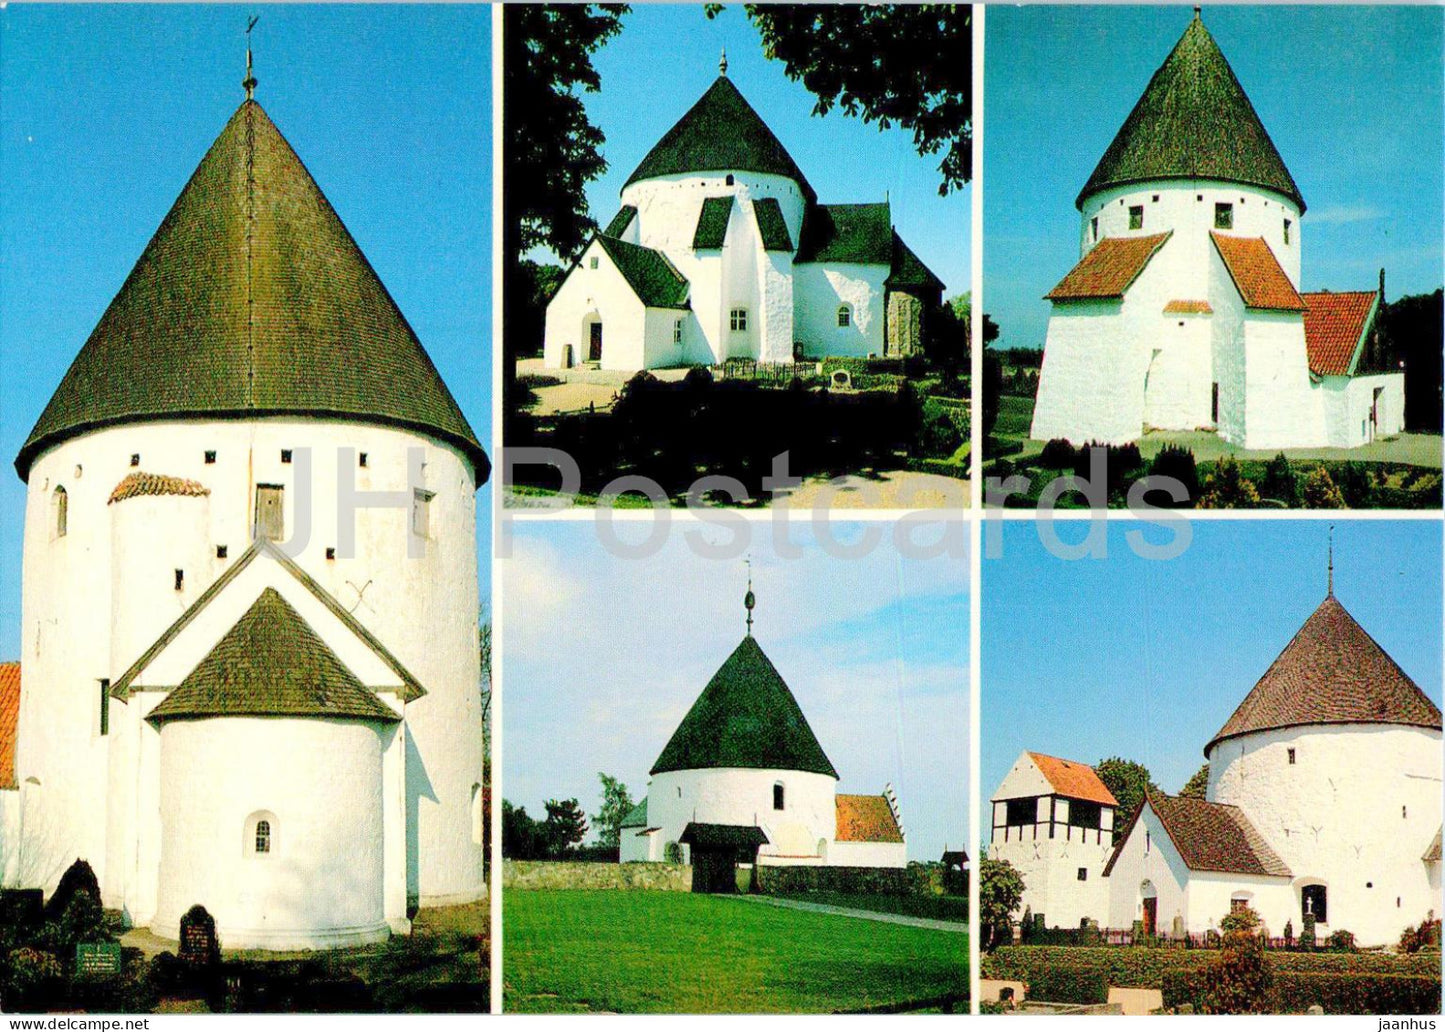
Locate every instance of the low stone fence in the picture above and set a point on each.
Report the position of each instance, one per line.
(873, 881)
(548, 874)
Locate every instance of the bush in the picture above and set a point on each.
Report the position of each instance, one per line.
(1280, 482)
(1355, 484)
(1227, 488)
(1070, 985)
(1119, 461)
(1130, 966)
(672, 853)
(1357, 993)
(1318, 490)
(34, 981)
(1341, 941)
(1178, 463)
(698, 378)
(1239, 980)
(78, 878)
(82, 921)
(1425, 937)
(1058, 454)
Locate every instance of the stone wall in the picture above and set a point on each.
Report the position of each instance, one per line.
(545, 874)
(879, 881)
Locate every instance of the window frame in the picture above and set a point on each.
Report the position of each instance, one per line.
(1136, 216)
(845, 316)
(421, 499)
(738, 320)
(1223, 214)
(780, 797)
(59, 512)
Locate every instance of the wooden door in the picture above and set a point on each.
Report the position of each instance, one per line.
(270, 522)
(1151, 916)
(594, 342)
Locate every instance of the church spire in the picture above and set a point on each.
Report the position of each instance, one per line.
(250, 81)
(1331, 581)
(750, 600)
(722, 64)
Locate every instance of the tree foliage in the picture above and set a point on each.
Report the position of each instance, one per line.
(1238, 981)
(1410, 331)
(617, 802)
(1000, 890)
(906, 65)
(565, 826)
(1129, 782)
(1196, 786)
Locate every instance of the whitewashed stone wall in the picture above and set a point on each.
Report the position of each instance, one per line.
(868, 854)
(819, 290)
(732, 795)
(595, 295)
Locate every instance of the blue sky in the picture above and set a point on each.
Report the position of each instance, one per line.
(1351, 96)
(1147, 659)
(105, 111)
(604, 655)
(665, 58)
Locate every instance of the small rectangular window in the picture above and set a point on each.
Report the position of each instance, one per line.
(105, 705)
(135, 459)
(738, 319)
(331, 553)
(779, 798)
(1214, 402)
(677, 332)
(270, 522)
(361, 459)
(180, 579)
(1291, 757)
(1136, 216)
(1223, 215)
(222, 551)
(592, 262)
(1083, 874)
(420, 504)
(1286, 232)
(1156, 199)
(210, 458)
(286, 456)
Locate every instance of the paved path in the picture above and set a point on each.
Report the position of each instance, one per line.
(867, 915)
(1137, 1001)
(894, 489)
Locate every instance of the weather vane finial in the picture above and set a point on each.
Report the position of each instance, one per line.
(1196, 13)
(250, 81)
(1332, 562)
(722, 64)
(750, 600)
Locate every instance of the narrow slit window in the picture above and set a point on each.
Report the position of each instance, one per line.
(1291, 757)
(105, 705)
(263, 836)
(361, 459)
(779, 796)
(592, 262)
(60, 506)
(1083, 874)
(1286, 232)
(180, 579)
(420, 506)
(1094, 229)
(677, 331)
(331, 553)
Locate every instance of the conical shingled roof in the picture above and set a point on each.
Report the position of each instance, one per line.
(271, 664)
(745, 717)
(1193, 122)
(1331, 672)
(720, 133)
(252, 299)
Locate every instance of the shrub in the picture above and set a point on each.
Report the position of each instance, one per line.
(1178, 463)
(1425, 937)
(1118, 460)
(1058, 454)
(1341, 941)
(1000, 889)
(939, 437)
(78, 877)
(1280, 482)
(1307, 936)
(1318, 490)
(1183, 987)
(1070, 985)
(698, 378)
(1226, 487)
(82, 921)
(34, 980)
(1353, 480)
(1238, 981)
(1357, 993)
(672, 853)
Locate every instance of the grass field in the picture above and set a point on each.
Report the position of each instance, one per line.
(631, 952)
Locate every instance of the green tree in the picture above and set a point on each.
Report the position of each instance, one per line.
(1410, 331)
(1197, 784)
(992, 388)
(1279, 481)
(522, 837)
(1000, 891)
(909, 65)
(551, 148)
(1318, 491)
(565, 826)
(1238, 981)
(616, 804)
(1226, 487)
(1129, 782)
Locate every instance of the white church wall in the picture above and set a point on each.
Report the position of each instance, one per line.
(10, 854)
(1281, 408)
(1050, 870)
(775, 286)
(819, 290)
(1177, 384)
(423, 609)
(1187, 208)
(1091, 384)
(590, 295)
(733, 795)
(1148, 861)
(322, 883)
(1341, 816)
(634, 846)
(1227, 345)
(867, 854)
(1346, 402)
(742, 253)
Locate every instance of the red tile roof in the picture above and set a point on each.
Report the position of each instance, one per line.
(1188, 308)
(1108, 269)
(867, 818)
(1257, 274)
(1334, 326)
(9, 722)
(1331, 672)
(1209, 837)
(1073, 780)
(138, 484)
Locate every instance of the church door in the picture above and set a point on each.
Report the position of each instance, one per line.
(269, 521)
(594, 342)
(1151, 916)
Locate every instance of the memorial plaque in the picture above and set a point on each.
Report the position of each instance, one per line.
(97, 959)
(198, 937)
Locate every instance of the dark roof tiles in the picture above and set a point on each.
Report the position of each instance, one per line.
(620, 221)
(1216, 837)
(1331, 672)
(653, 278)
(745, 717)
(712, 223)
(772, 227)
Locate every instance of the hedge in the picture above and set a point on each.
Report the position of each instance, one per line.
(1336, 992)
(1070, 985)
(1144, 967)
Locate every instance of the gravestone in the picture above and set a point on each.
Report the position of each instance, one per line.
(199, 947)
(97, 959)
(842, 379)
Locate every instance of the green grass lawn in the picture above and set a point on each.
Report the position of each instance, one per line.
(934, 908)
(631, 952)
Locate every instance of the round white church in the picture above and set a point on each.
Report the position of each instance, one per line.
(249, 674)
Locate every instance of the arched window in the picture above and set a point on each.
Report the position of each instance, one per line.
(779, 796)
(845, 316)
(728, 181)
(260, 834)
(1314, 900)
(60, 511)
